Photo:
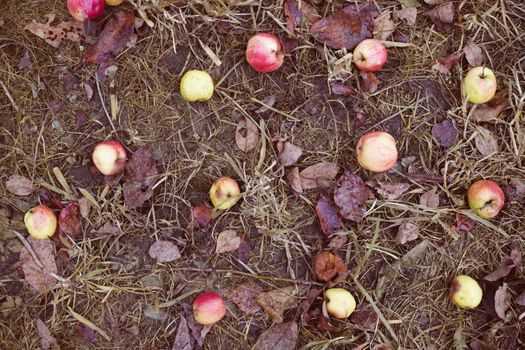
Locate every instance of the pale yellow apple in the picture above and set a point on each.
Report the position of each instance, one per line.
(114, 2)
(341, 303)
(485, 198)
(376, 151)
(40, 222)
(479, 85)
(196, 85)
(224, 193)
(465, 292)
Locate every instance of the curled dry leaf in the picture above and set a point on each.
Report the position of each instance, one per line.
(268, 101)
(200, 217)
(408, 14)
(346, 28)
(19, 185)
(84, 206)
(164, 251)
(350, 196)
(464, 223)
(39, 277)
(341, 89)
(444, 65)
(408, 231)
(520, 300)
(328, 217)
(246, 135)
(365, 317)
(276, 301)
(183, 340)
(69, 222)
(473, 54)
(289, 154)
(502, 301)
(47, 341)
(297, 12)
(384, 26)
(54, 35)
(327, 266)
(245, 297)
(489, 111)
(108, 228)
(507, 264)
(369, 82)
(294, 179)
(519, 185)
(140, 176)
(430, 198)
(442, 16)
(389, 191)
(445, 133)
(485, 141)
(282, 336)
(227, 241)
(310, 176)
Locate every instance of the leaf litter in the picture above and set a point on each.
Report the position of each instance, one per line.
(245, 297)
(38, 277)
(327, 215)
(164, 251)
(350, 196)
(246, 135)
(19, 185)
(140, 176)
(228, 241)
(282, 336)
(276, 301)
(54, 35)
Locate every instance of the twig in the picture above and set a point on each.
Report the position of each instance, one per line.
(13, 103)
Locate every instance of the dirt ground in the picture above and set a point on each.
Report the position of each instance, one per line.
(111, 280)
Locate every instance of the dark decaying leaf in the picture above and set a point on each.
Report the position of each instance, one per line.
(369, 82)
(473, 54)
(307, 302)
(346, 28)
(328, 217)
(200, 217)
(113, 38)
(19, 185)
(389, 191)
(54, 35)
(281, 336)
(139, 178)
(297, 12)
(245, 297)
(198, 331)
(442, 16)
(502, 301)
(47, 341)
(444, 65)
(407, 231)
(350, 196)
(39, 278)
(325, 324)
(464, 223)
(183, 340)
(445, 133)
(69, 222)
(87, 334)
(276, 301)
(507, 264)
(243, 253)
(365, 317)
(327, 266)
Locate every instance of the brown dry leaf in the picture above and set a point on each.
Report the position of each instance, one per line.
(245, 297)
(486, 143)
(369, 82)
(246, 135)
(84, 207)
(164, 251)
(113, 39)
(341, 89)
(464, 223)
(489, 111)
(444, 65)
(435, 2)
(519, 185)
(47, 341)
(473, 54)
(328, 217)
(502, 301)
(384, 26)
(408, 231)
(327, 266)
(338, 242)
(200, 217)
(228, 241)
(108, 228)
(282, 336)
(289, 154)
(445, 133)
(350, 196)
(442, 16)
(140, 176)
(408, 14)
(297, 12)
(520, 300)
(295, 180)
(316, 172)
(389, 191)
(183, 340)
(365, 317)
(39, 278)
(69, 222)
(345, 28)
(19, 185)
(54, 35)
(430, 198)
(506, 265)
(25, 62)
(276, 301)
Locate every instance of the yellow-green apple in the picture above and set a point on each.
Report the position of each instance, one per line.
(209, 308)
(40, 222)
(196, 85)
(370, 55)
(479, 85)
(264, 52)
(224, 193)
(340, 302)
(485, 198)
(85, 9)
(465, 292)
(376, 151)
(109, 157)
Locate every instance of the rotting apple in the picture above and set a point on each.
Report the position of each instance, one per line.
(479, 85)
(264, 52)
(370, 55)
(340, 302)
(224, 193)
(196, 85)
(485, 198)
(465, 292)
(209, 308)
(114, 2)
(109, 157)
(376, 151)
(40, 222)
(85, 9)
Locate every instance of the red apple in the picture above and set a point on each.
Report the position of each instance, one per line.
(40, 222)
(85, 9)
(224, 193)
(376, 151)
(370, 55)
(485, 198)
(264, 52)
(109, 157)
(209, 308)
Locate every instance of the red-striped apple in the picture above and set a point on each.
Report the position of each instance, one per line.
(264, 52)
(85, 9)
(370, 55)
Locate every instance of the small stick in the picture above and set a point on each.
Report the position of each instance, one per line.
(13, 103)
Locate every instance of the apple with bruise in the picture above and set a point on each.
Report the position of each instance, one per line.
(479, 85)
(340, 303)
(465, 292)
(370, 55)
(485, 198)
(376, 151)
(40, 222)
(264, 52)
(209, 308)
(224, 193)
(109, 157)
(85, 9)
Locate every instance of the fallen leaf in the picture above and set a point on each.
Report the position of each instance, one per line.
(338, 242)
(473, 54)
(435, 2)
(87, 334)
(295, 180)
(519, 185)
(139, 178)
(19, 185)
(281, 336)
(520, 300)
(501, 301)
(445, 133)
(198, 331)
(200, 217)
(384, 27)
(39, 278)
(486, 143)
(47, 341)
(369, 82)
(246, 135)
(408, 14)
(113, 39)
(54, 35)
(307, 302)
(290, 154)
(25, 62)
(164, 251)
(464, 223)
(350, 196)
(365, 317)
(69, 222)
(338, 88)
(430, 198)
(269, 101)
(327, 266)
(297, 12)
(489, 111)
(88, 90)
(227, 241)
(245, 297)
(444, 65)
(243, 253)
(346, 28)
(84, 206)
(133, 330)
(389, 191)
(183, 339)
(312, 174)
(327, 214)
(325, 324)
(108, 228)
(506, 265)
(407, 231)
(155, 313)
(442, 16)
(276, 301)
